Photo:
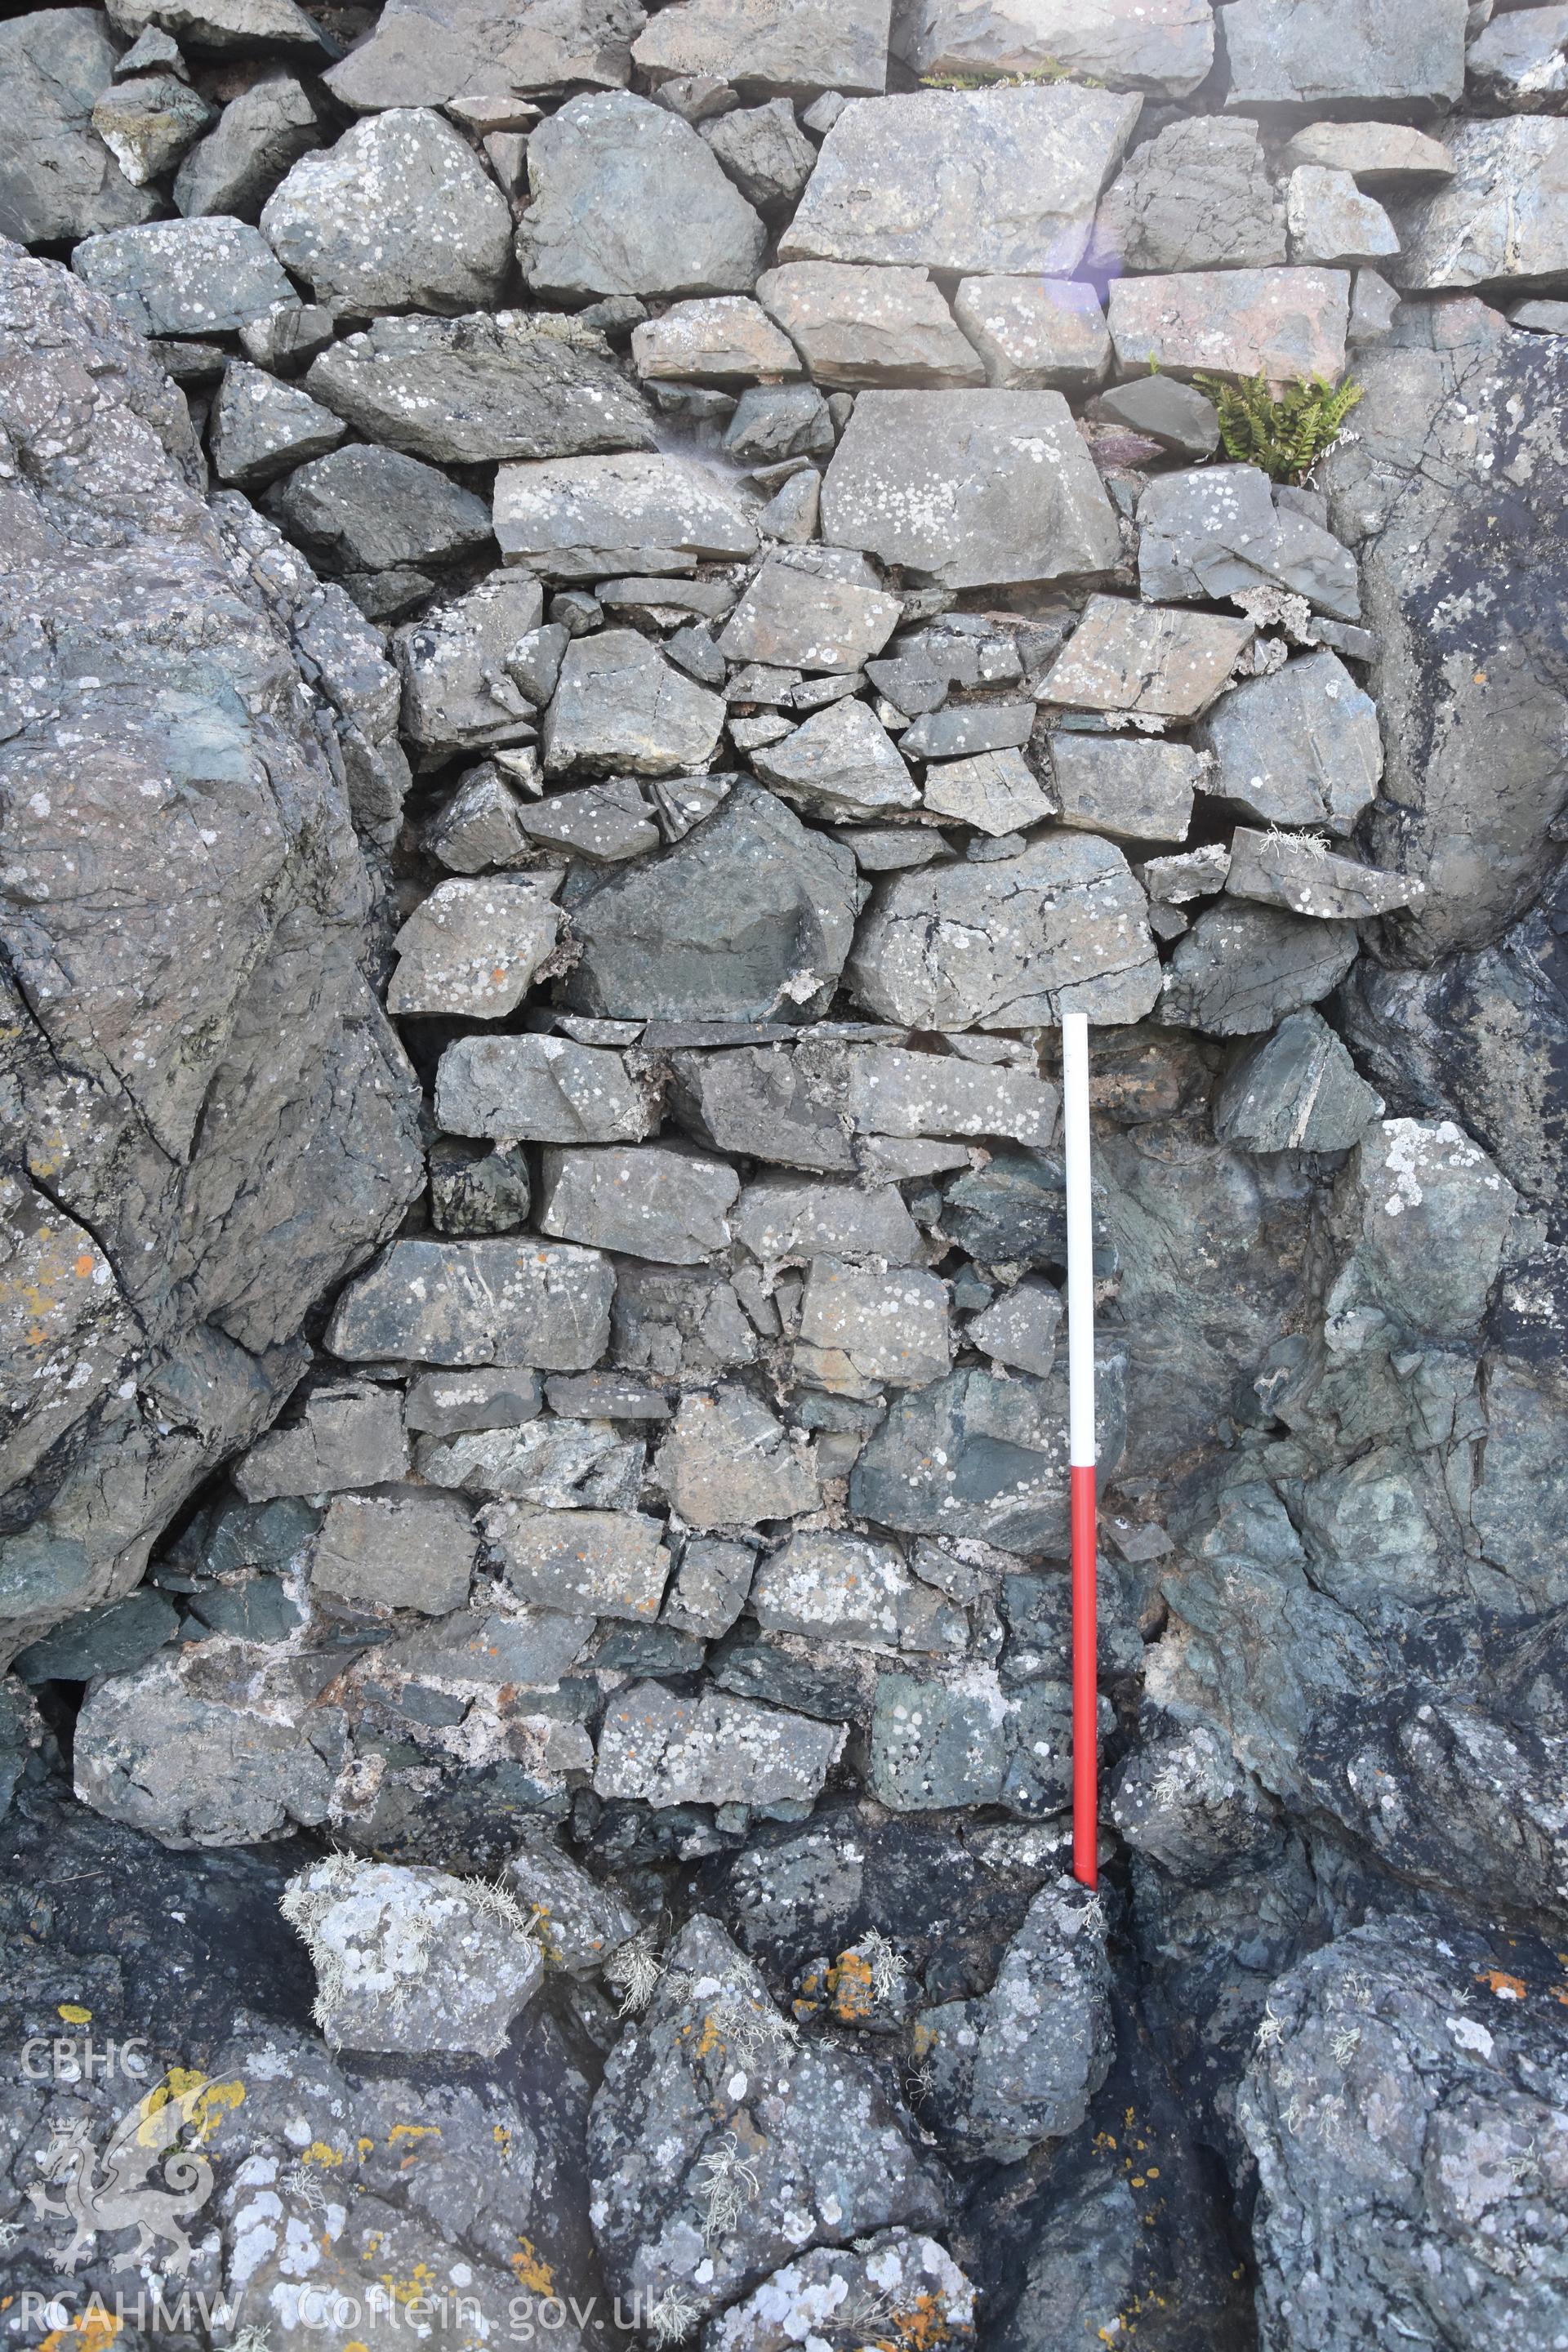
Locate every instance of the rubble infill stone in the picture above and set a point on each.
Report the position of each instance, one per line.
(712, 1751)
(546, 1304)
(1281, 323)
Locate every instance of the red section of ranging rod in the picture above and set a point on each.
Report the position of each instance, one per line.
(1077, 1150)
(1085, 1692)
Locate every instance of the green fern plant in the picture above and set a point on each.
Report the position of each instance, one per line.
(1286, 432)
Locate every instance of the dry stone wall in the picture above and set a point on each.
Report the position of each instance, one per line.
(609, 614)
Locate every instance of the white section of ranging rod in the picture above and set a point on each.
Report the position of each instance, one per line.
(1080, 1240)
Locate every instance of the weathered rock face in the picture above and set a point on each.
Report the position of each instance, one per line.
(1473, 2070)
(200, 1185)
(1472, 699)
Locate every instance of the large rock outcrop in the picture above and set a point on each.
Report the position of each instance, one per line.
(209, 1119)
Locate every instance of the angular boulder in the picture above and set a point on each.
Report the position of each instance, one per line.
(1003, 180)
(1241, 968)
(1302, 746)
(463, 53)
(1198, 196)
(508, 1302)
(1281, 323)
(722, 2148)
(1381, 56)
(412, 1960)
(628, 200)
(465, 391)
(785, 48)
(1010, 945)
(970, 489)
(1458, 588)
(749, 919)
(398, 215)
(58, 180)
(855, 326)
(594, 517)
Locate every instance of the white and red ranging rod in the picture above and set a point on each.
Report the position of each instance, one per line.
(1082, 1449)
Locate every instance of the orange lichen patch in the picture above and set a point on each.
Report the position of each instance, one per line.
(712, 2037)
(420, 2283)
(1506, 1988)
(202, 2105)
(530, 2268)
(922, 2329)
(93, 2330)
(849, 1989)
(922, 2039)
